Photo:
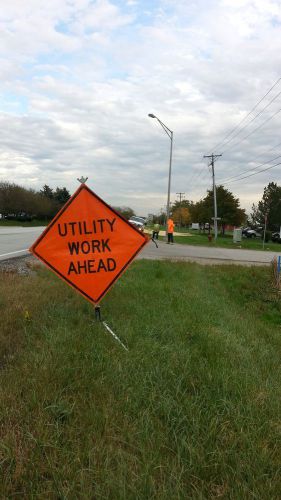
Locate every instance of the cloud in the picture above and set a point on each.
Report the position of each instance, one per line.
(79, 77)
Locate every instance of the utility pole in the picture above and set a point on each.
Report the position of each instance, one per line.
(181, 195)
(212, 164)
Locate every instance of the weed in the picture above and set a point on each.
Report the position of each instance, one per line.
(191, 411)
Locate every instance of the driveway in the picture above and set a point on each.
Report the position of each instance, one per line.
(206, 255)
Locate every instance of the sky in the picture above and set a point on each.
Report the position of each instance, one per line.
(79, 78)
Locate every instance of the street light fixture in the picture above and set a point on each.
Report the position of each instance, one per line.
(170, 135)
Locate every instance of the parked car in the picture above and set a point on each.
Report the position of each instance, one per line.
(140, 220)
(248, 232)
(138, 225)
(276, 237)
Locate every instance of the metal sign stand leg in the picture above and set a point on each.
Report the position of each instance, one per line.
(98, 318)
(97, 313)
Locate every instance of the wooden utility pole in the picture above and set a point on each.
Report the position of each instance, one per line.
(212, 164)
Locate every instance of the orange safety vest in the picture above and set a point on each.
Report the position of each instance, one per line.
(171, 226)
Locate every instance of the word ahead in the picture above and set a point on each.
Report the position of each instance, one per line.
(88, 244)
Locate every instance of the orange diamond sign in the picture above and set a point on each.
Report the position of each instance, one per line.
(88, 244)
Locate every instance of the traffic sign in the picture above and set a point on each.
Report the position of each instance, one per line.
(88, 244)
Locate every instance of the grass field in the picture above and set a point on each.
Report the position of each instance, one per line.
(191, 411)
(201, 239)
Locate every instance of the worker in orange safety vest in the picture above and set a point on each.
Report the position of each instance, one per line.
(171, 226)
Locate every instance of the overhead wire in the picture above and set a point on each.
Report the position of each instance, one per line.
(226, 179)
(243, 119)
(257, 128)
(254, 118)
(252, 171)
(197, 175)
(200, 182)
(255, 173)
(266, 151)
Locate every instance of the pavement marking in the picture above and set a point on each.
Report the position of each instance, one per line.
(12, 253)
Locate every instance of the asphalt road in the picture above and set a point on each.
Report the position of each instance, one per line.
(206, 255)
(15, 241)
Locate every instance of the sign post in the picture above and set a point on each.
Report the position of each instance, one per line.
(264, 232)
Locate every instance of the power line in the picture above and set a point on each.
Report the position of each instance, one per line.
(266, 151)
(196, 176)
(250, 112)
(250, 175)
(253, 119)
(249, 170)
(202, 197)
(257, 128)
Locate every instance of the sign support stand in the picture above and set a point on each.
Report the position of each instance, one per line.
(114, 335)
(85, 245)
(97, 313)
(98, 318)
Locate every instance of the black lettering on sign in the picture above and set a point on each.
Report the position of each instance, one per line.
(111, 223)
(62, 232)
(92, 266)
(85, 227)
(111, 264)
(72, 268)
(85, 247)
(105, 245)
(101, 265)
(75, 247)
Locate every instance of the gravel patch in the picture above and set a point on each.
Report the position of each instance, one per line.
(23, 266)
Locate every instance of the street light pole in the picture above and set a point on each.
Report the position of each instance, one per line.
(170, 135)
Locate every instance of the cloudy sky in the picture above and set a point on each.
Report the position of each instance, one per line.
(79, 77)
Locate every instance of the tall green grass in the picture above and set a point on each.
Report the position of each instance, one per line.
(191, 411)
(226, 241)
(201, 239)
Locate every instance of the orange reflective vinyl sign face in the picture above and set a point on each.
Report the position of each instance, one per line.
(88, 244)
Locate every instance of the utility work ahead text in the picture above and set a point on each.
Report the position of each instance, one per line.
(94, 252)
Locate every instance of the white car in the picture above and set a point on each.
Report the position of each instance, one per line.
(141, 220)
(139, 225)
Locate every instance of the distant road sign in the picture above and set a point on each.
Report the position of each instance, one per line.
(88, 244)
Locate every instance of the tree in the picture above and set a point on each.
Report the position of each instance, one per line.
(229, 209)
(181, 216)
(126, 212)
(269, 205)
(181, 211)
(22, 202)
(61, 195)
(10, 198)
(47, 192)
(254, 217)
(202, 212)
